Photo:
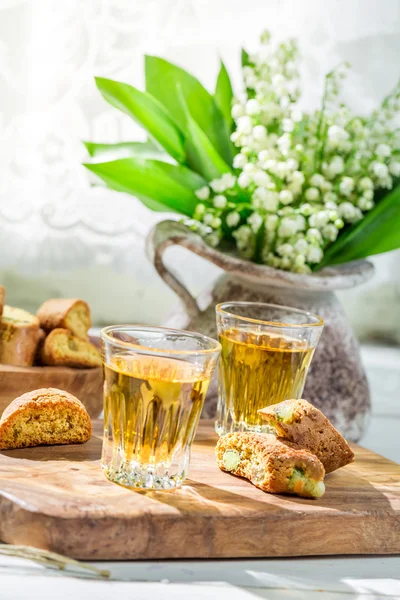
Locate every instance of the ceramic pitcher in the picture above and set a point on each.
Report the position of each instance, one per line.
(336, 382)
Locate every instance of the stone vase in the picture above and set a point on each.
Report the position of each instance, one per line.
(336, 382)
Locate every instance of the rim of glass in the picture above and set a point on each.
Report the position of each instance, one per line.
(220, 308)
(105, 336)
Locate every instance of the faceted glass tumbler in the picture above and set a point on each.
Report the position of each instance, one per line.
(155, 382)
(266, 351)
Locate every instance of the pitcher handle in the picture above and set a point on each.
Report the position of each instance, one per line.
(171, 233)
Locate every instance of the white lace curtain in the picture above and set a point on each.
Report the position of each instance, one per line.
(60, 235)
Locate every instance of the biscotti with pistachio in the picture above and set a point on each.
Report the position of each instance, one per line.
(44, 417)
(65, 313)
(300, 422)
(2, 298)
(19, 336)
(270, 464)
(62, 348)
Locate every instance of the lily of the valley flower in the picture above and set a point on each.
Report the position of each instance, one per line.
(298, 179)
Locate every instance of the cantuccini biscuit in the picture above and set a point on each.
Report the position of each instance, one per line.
(300, 422)
(65, 313)
(62, 348)
(270, 464)
(19, 336)
(44, 417)
(2, 298)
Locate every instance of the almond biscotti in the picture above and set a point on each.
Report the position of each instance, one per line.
(270, 464)
(62, 348)
(65, 313)
(19, 336)
(2, 298)
(44, 417)
(300, 422)
(41, 337)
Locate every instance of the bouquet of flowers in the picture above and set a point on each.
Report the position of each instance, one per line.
(253, 173)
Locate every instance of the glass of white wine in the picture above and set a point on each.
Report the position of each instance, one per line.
(266, 352)
(155, 382)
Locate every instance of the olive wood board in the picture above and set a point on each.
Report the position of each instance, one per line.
(57, 498)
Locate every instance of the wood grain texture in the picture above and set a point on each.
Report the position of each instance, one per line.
(58, 499)
(85, 384)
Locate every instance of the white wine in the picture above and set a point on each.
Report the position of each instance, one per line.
(152, 406)
(256, 370)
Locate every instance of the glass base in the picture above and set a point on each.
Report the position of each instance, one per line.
(140, 478)
(231, 426)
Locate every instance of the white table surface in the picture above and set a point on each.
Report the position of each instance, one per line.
(361, 578)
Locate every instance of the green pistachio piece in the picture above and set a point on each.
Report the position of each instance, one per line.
(231, 459)
(319, 489)
(284, 413)
(311, 486)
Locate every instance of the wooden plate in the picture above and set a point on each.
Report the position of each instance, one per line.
(85, 384)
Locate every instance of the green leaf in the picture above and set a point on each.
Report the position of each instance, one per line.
(124, 150)
(260, 240)
(224, 94)
(160, 186)
(162, 81)
(377, 232)
(245, 58)
(201, 155)
(147, 111)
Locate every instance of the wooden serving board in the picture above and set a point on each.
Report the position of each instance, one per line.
(57, 498)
